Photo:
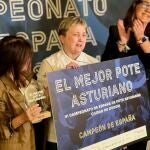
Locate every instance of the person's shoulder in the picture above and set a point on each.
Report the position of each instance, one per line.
(90, 58)
(53, 56)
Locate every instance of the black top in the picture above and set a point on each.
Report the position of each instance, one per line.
(112, 51)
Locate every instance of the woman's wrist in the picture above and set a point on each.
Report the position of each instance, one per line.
(121, 43)
(19, 120)
(142, 40)
(123, 47)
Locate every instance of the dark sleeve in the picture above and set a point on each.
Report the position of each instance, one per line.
(111, 49)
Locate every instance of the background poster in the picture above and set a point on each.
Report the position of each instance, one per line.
(102, 105)
(38, 20)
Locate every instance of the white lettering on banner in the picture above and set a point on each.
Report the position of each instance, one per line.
(16, 11)
(101, 93)
(101, 76)
(103, 8)
(127, 70)
(100, 108)
(90, 37)
(23, 34)
(97, 78)
(35, 8)
(71, 8)
(56, 8)
(39, 14)
(88, 79)
(59, 85)
(85, 6)
(53, 41)
(38, 38)
(3, 7)
(96, 5)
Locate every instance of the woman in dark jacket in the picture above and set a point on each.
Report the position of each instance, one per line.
(131, 36)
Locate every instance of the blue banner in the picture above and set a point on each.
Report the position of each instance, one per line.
(38, 21)
(102, 105)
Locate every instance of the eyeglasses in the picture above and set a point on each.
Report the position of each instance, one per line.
(145, 5)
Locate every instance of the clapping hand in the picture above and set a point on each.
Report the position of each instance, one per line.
(138, 29)
(123, 34)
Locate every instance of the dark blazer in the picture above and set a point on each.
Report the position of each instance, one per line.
(111, 50)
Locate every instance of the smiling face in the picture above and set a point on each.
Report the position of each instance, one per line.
(74, 40)
(143, 11)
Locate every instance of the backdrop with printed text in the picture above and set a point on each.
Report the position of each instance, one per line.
(38, 21)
